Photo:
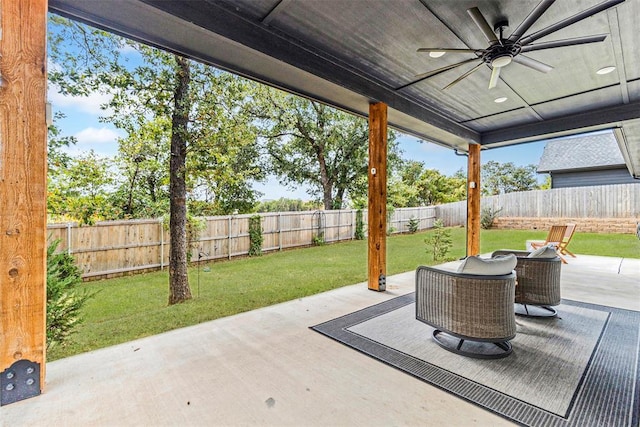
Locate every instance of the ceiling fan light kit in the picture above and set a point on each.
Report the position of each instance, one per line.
(502, 51)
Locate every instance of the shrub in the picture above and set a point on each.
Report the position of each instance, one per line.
(255, 235)
(413, 225)
(318, 240)
(440, 241)
(487, 216)
(359, 233)
(64, 299)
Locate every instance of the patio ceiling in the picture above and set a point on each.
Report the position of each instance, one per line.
(349, 53)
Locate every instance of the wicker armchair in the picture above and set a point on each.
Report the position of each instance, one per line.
(463, 307)
(538, 284)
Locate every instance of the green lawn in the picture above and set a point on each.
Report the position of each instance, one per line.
(136, 306)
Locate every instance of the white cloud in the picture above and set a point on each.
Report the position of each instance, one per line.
(103, 141)
(84, 104)
(93, 136)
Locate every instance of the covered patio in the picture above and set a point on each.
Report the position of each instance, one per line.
(361, 57)
(266, 367)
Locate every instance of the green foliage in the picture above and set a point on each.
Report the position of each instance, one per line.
(222, 157)
(500, 178)
(415, 186)
(56, 141)
(288, 205)
(318, 239)
(79, 191)
(195, 227)
(439, 242)
(316, 145)
(359, 232)
(487, 216)
(413, 225)
(64, 298)
(546, 185)
(390, 211)
(255, 235)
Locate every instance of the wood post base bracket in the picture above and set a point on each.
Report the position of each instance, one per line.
(19, 381)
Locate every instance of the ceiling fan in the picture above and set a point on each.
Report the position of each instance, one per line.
(502, 50)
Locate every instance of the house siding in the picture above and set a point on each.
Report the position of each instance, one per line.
(592, 177)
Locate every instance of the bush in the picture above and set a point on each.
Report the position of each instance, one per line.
(255, 235)
(440, 241)
(318, 240)
(487, 216)
(413, 225)
(359, 233)
(64, 299)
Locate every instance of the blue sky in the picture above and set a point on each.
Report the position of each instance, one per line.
(82, 121)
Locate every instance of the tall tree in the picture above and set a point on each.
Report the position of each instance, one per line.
(316, 145)
(178, 185)
(414, 185)
(169, 94)
(500, 178)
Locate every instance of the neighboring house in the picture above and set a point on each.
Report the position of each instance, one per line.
(585, 160)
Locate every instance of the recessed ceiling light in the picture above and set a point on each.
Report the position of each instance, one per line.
(499, 100)
(436, 54)
(605, 70)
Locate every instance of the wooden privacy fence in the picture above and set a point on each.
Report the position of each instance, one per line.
(112, 248)
(596, 202)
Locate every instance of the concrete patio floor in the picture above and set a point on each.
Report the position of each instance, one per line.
(266, 367)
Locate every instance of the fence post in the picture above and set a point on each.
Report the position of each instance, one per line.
(68, 238)
(279, 231)
(161, 244)
(229, 239)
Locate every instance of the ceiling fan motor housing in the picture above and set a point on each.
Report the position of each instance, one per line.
(496, 52)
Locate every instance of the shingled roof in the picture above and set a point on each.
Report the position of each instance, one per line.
(592, 151)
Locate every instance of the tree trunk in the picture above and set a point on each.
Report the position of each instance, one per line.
(179, 290)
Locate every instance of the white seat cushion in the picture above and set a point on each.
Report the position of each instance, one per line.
(497, 266)
(548, 251)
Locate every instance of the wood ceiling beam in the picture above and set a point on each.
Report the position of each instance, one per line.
(565, 125)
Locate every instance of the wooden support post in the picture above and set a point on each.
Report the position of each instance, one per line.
(377, 213)
(473, 201)
(23, 184)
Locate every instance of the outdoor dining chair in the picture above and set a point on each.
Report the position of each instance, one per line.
(568, 234)
(555, 237)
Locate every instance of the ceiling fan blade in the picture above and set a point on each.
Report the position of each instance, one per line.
(464, 76)
(530, 19)
(445, 68)
(438, 49)
(532, 63)
(563, 43)
(495, 73)
(482, 23)
(423, 76)
(569, 21)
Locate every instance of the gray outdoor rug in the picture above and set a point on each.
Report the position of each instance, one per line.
(582, 369)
